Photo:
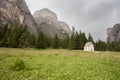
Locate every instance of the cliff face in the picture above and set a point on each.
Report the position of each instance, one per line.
(113, 34)
(48, 24)
(16, 11)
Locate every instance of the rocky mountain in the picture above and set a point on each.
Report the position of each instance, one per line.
(16, 11)
(49, 24)
(113, 34)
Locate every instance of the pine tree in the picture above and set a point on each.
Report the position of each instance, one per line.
(40, 41)
(90, 38)
(116, 46)
(5, 38)
(48, 42)
(71, 44)
(56, 42)
(3, 31)
(100, 46)
(65, 42)
(26, 39)
(83, 39)
(15, 33)
(31, 39)
(77, 41)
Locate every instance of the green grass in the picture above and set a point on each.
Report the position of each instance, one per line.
(32, 64)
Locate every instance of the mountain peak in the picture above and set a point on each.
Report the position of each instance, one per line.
(45, 13)
(48, 24)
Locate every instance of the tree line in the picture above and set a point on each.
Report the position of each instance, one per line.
(19, 37)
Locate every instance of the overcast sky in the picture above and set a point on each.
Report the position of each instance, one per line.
(89, 16)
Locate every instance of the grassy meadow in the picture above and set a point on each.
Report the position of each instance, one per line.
(50, 64)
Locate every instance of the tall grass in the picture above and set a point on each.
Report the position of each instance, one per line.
(32, 64)
(18, 65)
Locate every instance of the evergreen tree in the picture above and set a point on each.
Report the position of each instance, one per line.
(117, 46)
(56, 42)
(27, 39)
(40, 41)
(48, 42)
(3, 31)
(15, 33)
(110, 46)
(100, 46)
(83, 40)
(65, 42)
(61, 42)
(31, 40)
(77, 41)
(71, 44)
(114, 46)
(90, 38)
(5, 38)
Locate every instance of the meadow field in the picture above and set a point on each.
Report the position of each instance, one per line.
(50, 64)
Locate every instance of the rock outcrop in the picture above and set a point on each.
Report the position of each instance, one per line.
(16, 11)
(113, 34)
(50, 26)
(64, 28)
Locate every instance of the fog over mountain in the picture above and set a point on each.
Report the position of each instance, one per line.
(93, 16)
